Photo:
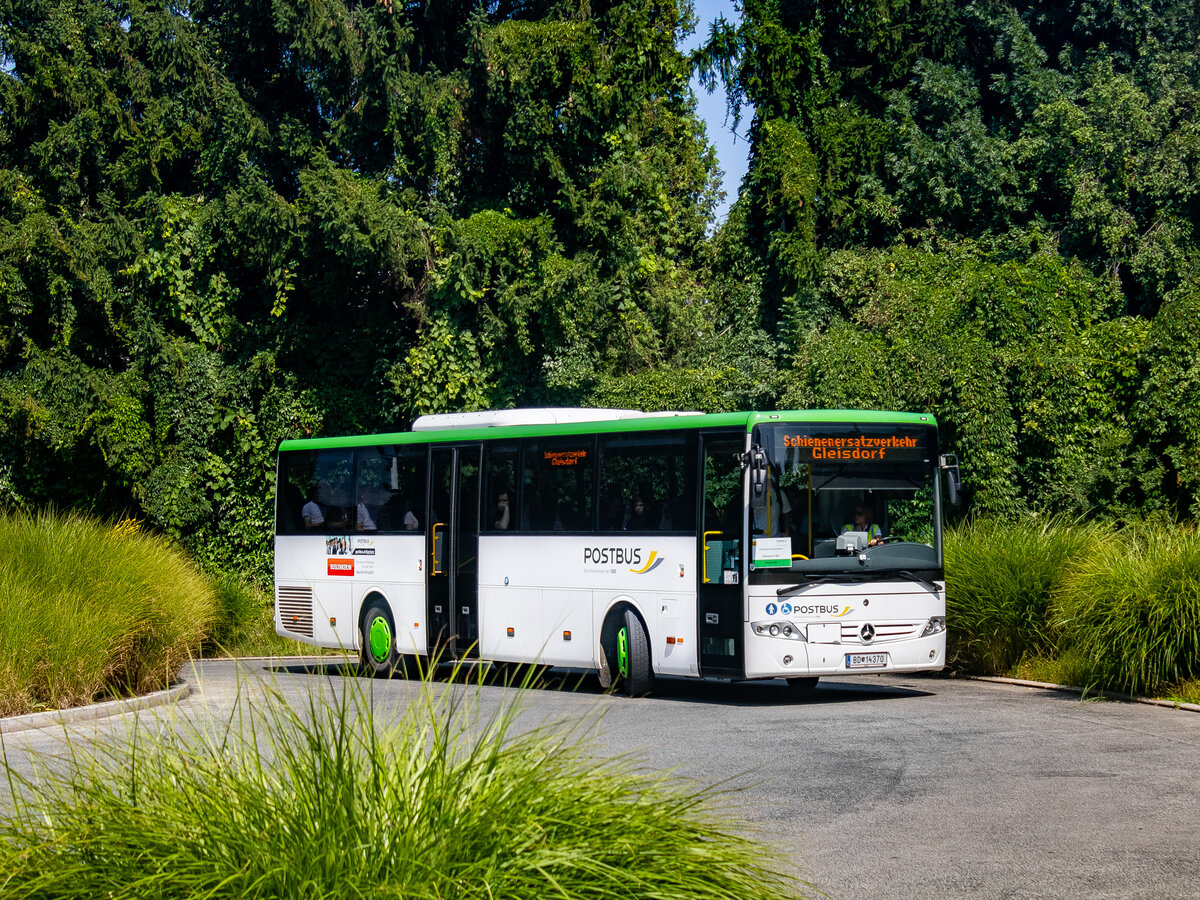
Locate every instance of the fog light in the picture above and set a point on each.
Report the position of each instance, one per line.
(932, 654)
(787, 660)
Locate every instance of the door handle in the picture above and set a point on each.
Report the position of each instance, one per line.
(436, 569)
(704, 556)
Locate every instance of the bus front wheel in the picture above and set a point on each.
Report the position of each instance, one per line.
(633, 656)
(378, 651)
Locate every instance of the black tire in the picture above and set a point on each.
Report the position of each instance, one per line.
(803, 687)
(380, 657)
(639, 680)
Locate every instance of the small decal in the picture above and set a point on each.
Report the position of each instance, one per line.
(786, 609)
(772, 609)
(340, 567)
(651, 564)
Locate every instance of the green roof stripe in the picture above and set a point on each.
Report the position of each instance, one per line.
(743, 420)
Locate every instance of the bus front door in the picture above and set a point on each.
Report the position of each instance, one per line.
(719, 592)
(452, 551)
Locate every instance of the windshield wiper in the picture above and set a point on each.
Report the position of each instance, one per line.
(852, 577)
(913, 576)
(828, 579)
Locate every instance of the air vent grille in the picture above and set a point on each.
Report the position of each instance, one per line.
(295, 605)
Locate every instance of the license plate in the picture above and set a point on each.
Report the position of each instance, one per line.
(866, 660)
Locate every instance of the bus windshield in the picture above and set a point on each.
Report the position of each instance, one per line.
(843, 498)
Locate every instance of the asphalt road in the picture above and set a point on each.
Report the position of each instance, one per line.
(874, 787)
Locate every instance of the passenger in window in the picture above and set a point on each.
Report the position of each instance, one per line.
(311, 512)
(502, 515)
(640, 517)
(363, 521)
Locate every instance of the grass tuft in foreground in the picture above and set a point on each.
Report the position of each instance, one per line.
(90, 610)
(342, 799)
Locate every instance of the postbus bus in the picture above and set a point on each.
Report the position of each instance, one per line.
(750, 545)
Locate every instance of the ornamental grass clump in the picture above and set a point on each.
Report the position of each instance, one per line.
(1000, 576)
(1131, 609)
(90, 610)
(343, 798)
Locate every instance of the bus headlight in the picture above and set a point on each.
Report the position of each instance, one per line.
(935, 625)
(782, 630)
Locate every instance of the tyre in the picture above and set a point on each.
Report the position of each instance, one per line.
(378, 653)
(803, 687)
(633, 656)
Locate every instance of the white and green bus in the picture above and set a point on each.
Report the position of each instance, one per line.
(748, 545)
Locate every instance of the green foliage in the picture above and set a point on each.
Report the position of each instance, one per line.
(1000, 578)
(1131, 609)
(1166, 410)
(91, 610)
(1010, 345)
(1072, 602)
(243, 622)
(336, 799)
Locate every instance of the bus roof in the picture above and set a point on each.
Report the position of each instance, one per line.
(744, 421)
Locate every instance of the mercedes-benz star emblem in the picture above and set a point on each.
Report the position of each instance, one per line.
(867, 633)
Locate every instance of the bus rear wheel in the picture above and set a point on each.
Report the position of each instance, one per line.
(378, 653)
(633, 656)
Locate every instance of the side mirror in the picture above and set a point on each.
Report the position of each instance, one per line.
(948, 462)
(757, 460)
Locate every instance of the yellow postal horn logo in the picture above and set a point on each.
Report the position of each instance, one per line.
(651, 564)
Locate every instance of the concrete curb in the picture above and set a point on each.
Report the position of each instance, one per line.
(59, 718)
(1071, 689)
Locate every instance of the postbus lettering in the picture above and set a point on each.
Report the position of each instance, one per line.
(613, 556)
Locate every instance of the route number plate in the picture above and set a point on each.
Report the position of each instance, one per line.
(866, 660)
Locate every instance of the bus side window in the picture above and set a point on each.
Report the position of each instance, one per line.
(558, 479)
(650, 478)
(391, 488)
(296, 493)
(500, 488)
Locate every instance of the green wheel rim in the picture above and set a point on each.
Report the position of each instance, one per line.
(623, 652)
(380, 639)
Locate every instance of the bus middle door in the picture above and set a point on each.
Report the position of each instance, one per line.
(452, 586)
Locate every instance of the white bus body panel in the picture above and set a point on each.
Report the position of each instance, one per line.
(831, 618)
(541, 586)
(343, 570)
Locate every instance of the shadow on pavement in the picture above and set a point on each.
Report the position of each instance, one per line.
(774, 692)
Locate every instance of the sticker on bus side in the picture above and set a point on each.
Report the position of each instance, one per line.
(340, 566)
(772, 553)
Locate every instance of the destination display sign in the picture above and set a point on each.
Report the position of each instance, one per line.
(800, 445)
